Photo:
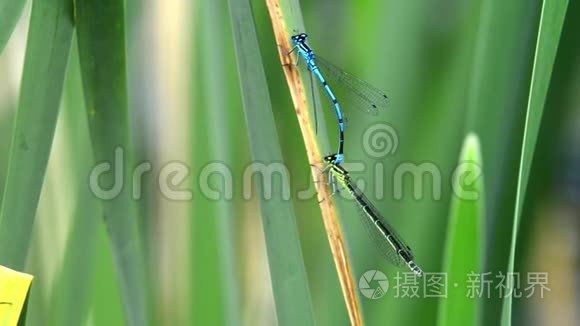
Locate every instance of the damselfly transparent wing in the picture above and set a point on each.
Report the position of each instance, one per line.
(383, 246)
(387, 249)
(352, 90)
(314, 105)
(399, 243)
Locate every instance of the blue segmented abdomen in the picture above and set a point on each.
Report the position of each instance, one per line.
(328, 91)
(314, 69)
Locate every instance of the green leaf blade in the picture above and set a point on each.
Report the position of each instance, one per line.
(48, 47)
(550, 28)
(288, 275)
(10, 12)
(101, 40)
(465, 236)
(70, 302)
(216, 127)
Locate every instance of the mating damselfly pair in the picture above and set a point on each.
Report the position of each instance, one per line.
(369, 99)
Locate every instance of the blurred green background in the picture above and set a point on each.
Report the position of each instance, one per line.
(450, 68)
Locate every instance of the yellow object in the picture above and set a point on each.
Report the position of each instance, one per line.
(14, 288)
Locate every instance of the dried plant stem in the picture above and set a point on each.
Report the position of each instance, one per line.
(329, 215)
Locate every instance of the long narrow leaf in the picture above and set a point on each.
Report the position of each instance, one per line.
(465, 234)
(101, 38)
(70, 297)
(551, 22)
(496, 93)
(10, 12)
(48, 47)
(289, 282)
(214, 134)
